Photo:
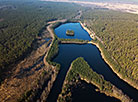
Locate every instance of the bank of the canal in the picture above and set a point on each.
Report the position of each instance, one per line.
(69, 52)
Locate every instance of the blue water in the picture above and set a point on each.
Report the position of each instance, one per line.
(69, 52)
(80, 33)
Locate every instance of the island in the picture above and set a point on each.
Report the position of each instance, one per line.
(70, 33)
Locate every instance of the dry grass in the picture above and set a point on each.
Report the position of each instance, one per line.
(25, 74)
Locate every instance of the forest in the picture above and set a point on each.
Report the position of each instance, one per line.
(81, 70)
(81, 67)
(119, 32)
(21, 23)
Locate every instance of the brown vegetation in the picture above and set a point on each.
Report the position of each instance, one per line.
(25, 75)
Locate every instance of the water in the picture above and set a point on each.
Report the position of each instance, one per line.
(80, 33)
(84, 92)
(69, 52)
(65, 57)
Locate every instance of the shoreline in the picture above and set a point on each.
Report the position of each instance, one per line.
(117, 93)
(73, 42)
(50, 29)
(53, 68)
(130, 82)
(93, 36)
(113, 69)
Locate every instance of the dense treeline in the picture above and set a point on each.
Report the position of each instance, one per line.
(109, 58)
(119, 32)
(80, 69)
(22, 21)
(52, 53)
(75, 40)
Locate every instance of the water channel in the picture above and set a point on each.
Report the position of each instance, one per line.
(69, 52)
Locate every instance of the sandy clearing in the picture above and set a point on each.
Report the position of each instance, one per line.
(130, 8)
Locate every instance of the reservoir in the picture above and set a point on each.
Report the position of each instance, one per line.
(69, 52)
(76, 27)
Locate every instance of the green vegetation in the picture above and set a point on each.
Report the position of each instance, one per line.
(80, 68)
(55, 47)
(52, 53)
(110, 59)
(73, 40)
(21, 22)
(118, 31)
(70, 33)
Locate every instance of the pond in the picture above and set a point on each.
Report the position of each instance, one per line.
(79, 32)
